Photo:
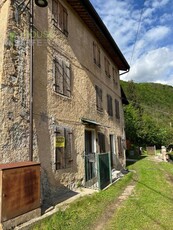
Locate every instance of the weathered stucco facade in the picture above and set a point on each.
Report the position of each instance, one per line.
(67, 118)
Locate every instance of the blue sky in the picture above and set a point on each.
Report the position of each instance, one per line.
(151, 56)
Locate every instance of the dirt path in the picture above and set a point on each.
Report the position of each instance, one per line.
(110, 211)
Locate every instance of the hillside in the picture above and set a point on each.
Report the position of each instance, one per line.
(155, 101)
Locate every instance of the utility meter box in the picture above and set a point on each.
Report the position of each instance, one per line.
(19, 189)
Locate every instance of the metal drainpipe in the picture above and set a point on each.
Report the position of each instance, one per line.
(124, 72)
(31, 84)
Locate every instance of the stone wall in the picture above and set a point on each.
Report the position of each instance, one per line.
(14, 90)
(49, 108)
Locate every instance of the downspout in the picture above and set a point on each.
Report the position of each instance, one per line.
(124, 72)
(31, 85)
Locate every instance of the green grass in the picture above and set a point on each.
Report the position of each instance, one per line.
(85, 211)
(151, 205)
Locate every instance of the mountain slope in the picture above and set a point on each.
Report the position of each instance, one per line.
(155, 101)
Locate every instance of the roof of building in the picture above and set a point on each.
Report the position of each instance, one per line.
(91, 18)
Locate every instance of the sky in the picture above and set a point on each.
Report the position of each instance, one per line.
(143, 30)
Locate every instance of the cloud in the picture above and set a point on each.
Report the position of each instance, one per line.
(143, 31)
(157, 33)
(159, 3)
(153, 67)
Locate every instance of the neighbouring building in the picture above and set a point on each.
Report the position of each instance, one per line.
(77, 100)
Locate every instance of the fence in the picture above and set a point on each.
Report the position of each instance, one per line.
(104, 170)
(151, 150)
(98, 170)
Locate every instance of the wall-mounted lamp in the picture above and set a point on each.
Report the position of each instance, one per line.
(41, 3)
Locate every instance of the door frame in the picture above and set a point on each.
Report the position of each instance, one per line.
(112, 139)
(91, 181)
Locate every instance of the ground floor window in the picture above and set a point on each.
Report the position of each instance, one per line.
(63, 147)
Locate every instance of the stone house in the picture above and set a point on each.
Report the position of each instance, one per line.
(74, 94)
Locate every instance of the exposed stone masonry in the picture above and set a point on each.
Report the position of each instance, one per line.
(15, 92)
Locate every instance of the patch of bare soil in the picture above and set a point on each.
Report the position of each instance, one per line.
(112, 208)
(169, 179)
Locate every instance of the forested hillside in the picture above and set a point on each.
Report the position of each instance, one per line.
(149, 116)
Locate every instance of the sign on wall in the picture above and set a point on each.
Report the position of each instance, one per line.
(59, 141)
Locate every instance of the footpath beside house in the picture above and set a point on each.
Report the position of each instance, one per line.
(77, 99)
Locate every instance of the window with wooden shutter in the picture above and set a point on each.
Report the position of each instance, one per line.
(117, 109)
(65, 21)
(115, 76)
(59, 148)
(109, 105)
(96, 54)
(99, 99)
(63, 147)
(62, 76)
(107, 67)
(60, 16)
(68, 147)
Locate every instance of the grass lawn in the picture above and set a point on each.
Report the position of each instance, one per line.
(149, 207)
(151, 204)
(85, 211)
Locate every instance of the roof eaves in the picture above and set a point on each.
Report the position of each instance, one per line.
(123, 65)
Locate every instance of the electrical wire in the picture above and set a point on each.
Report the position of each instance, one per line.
(137, 33)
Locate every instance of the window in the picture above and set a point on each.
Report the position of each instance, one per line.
(115, 76)
(99, 100)
(109, 105)
(101, 143)
(107, 67)
(117, 109)
(60, 16)
(62, 77)
(96, 54)
(63, 147)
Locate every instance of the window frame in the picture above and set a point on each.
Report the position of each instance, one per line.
(107, 67)
(115, 76)
(64, 154)
(60, 17)
(117, 109)
(96, 54)
(99, 98)
(62, 76)
(109, 105)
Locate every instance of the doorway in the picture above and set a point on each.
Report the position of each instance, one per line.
(90, 169)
